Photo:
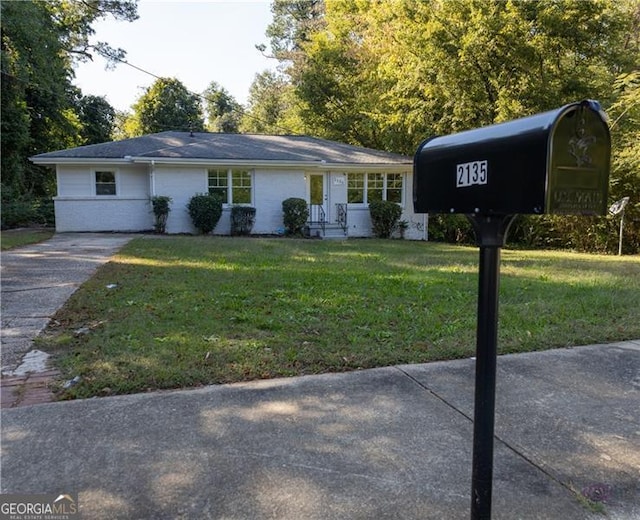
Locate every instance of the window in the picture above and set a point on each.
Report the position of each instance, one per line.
(375, 186)
(241, 186)
(219, 184)
(105, 183)
(365, 188)
(394, 187)
(233, 186)
(355, 188)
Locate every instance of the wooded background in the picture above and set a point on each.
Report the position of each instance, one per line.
(383, 74)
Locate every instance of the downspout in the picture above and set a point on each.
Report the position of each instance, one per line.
(152, 178)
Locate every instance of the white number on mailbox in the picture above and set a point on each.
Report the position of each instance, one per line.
(468, 174)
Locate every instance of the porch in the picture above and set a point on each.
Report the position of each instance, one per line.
(319, 226)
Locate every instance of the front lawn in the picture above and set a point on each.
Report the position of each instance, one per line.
(12, 238)
(186, 311)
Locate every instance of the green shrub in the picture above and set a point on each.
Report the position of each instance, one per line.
(296, 214)
(454, 229)
(27, 212)
(384, 217)
(205, 211)
(45, 212)
(161, 207)
(242, 220)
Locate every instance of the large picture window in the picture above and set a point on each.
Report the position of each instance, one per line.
(105, 183)
(233, 186)
(365, 188)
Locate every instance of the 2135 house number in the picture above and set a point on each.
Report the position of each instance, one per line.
(468, 174)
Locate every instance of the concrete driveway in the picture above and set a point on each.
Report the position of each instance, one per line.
(38, 279)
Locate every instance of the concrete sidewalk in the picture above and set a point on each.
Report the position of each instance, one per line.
(385, 443)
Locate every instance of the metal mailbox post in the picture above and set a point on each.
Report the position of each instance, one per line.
(554, 162)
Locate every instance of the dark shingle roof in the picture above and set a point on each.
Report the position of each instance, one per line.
(238, 147)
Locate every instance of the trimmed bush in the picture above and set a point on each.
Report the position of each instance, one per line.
(205, 211)
(296, 214)
(384, 217)
(242, 220)
(161, 208)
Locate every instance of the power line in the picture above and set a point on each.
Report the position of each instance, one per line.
(198, 95)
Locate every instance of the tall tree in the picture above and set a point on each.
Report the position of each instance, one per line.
(273, 107)
(36, 95)
(440, 66)
(294, 23)
(97, 117)
(168, 105)
(389, 74)
(40, 42)
(74, 21)
(223, 111)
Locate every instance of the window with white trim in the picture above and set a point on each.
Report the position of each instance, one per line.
(363, 188)
(105, 182)
(233, 186)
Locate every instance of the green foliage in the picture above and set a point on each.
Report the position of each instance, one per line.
(74, 21)
(161, 205)
(41, 109)
(296, 214)
(384, 217)
(36, 94)
(242, 220)
(97, 117)
(27, 212)
(167, 105)
(454, 229)
(223, 111)
(273, 106)
(389, 74)
(293, 24)
(205, 211)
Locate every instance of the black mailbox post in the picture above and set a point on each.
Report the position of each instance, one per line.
(555, 162)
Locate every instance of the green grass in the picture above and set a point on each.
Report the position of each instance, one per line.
(23, 237)
(188, 311)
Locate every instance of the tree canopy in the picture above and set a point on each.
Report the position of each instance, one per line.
(223, 111)
(41, 109)
(389, 74)
(167, 105)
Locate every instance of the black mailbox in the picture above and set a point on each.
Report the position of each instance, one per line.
(553, 162)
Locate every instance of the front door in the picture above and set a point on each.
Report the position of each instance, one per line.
(318, 198)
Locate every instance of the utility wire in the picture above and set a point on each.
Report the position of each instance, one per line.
(200, 96)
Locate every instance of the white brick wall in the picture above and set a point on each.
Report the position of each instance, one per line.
(93, 214)
(270, 189)
(79, 209)
(179, 183)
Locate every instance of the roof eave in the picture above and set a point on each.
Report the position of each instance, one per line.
(54, 161)
(320, 165)
(306, 165)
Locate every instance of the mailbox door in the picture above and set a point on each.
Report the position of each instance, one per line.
(580, 150)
